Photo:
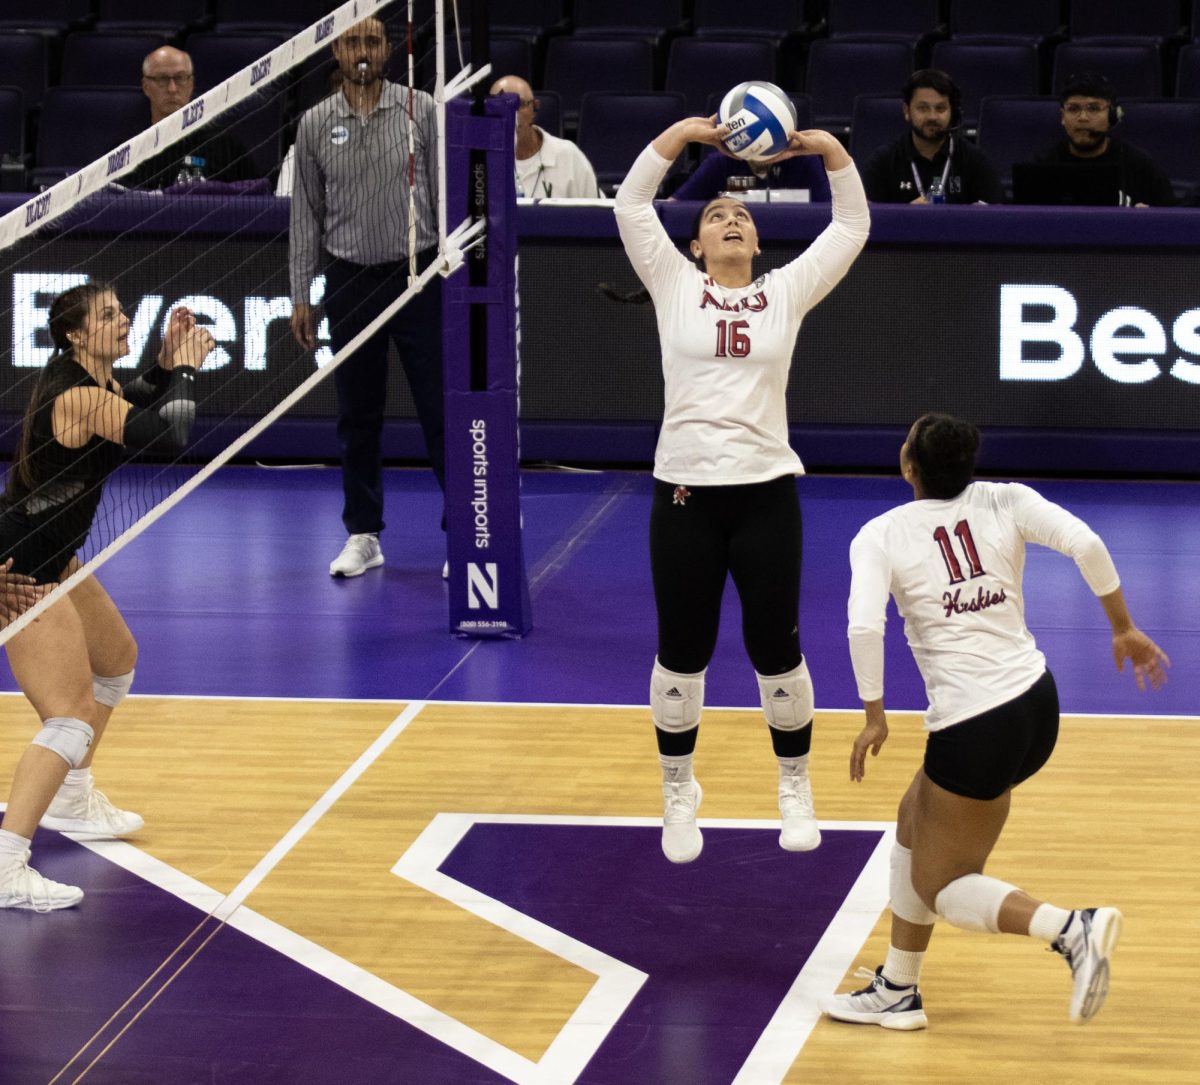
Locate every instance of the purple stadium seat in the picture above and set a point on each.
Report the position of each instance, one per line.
(649, 19)
(509, 55)
(982, 70)
(527, 18)
(614, 129)
(171, 16)
(106, 60)
(573, 66)
(839, 71)
(1166, 130)
(56, 15)
(1135, 70)
(878, 119)
(1147, 20)
(1014, 20)
(733, 19)
(79, 124)
(897, 20)
(1017, 130)
(697, 68)
(268, 15)
(12, 122)
(1187, 82)
(23, 60)
(217, 56)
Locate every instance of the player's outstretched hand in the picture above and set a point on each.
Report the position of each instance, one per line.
(815, 141)
(17, 593)
(1149, 661)
(181, 321)
(872, 737)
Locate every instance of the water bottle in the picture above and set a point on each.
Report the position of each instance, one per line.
(191, 170)
(936, 193)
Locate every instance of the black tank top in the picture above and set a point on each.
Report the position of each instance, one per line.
(67, 483)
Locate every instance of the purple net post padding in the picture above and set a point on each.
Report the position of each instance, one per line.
(489, 589)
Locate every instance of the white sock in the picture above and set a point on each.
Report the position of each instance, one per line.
(1048, 922)
(676, 770)
(902, 967)
(77, 781)
(792, 766)
(12, 844)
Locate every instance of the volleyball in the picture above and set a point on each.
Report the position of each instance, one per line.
(760, 119)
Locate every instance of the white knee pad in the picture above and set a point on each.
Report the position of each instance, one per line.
(973, 901)
(787, 699)
(905, 902)
(675, 699)
(111, 691)
(67, 737)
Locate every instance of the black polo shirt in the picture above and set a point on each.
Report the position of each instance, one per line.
(1141, 180)
(888, 174)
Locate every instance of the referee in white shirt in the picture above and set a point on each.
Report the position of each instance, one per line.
(725, 493)
(953, 560)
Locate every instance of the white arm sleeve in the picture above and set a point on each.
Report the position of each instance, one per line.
(1042, 521)
(870, 580)
(824, 263)
(652, 253)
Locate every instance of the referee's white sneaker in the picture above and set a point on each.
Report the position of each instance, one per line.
(89, 814)
(23, 887)
(360, 553)
(882, 1003)
(681, 839)
(800, 832)
(1087, 942)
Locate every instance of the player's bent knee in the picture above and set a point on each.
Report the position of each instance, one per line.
(906, 902)
(676, 700)
(973, 902)
(66, 736)
(111, 691)
(787, 699)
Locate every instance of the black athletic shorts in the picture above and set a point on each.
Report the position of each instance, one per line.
(982, 757)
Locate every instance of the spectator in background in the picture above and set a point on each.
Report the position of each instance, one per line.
(931, 159)
(168, 82)
(711, 177)
(547, 166)
(1089, 110)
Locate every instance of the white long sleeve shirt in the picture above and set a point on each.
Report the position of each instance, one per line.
(955, 570)
(726, 351)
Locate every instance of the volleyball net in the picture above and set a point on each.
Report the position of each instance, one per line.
(188, 213)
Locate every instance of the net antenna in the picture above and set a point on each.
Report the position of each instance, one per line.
(237, 238)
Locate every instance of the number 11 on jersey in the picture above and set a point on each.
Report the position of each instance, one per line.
(963, 530)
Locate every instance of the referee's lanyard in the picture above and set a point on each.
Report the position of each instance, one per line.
(945, 171)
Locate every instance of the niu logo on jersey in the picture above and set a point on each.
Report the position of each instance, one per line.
(483, 586)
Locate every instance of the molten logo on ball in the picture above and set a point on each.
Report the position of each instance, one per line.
(760, 119)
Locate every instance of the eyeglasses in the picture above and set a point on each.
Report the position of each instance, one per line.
(1092, 109)
(167, 80)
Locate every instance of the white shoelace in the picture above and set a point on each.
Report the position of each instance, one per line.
(28, 883)
(679, 807)
(795, 795)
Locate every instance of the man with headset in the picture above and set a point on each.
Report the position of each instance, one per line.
(1089, 111)
(931, 162)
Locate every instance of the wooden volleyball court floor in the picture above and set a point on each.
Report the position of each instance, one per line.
(376, 853)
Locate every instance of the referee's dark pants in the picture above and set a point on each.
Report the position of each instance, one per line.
(354, 296)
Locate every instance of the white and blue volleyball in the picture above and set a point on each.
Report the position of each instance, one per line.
(760, 119)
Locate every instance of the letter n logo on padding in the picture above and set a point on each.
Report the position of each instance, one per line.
(483, 586)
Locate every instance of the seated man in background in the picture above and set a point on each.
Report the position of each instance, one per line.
(167, 81)
(547, 166)
(711, 177)
(1089, 110)
(931, 162)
